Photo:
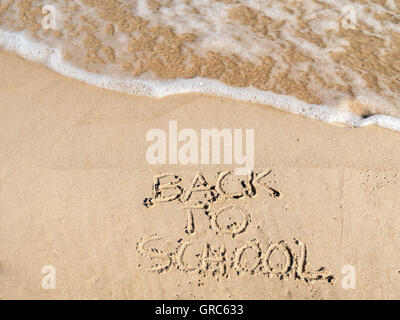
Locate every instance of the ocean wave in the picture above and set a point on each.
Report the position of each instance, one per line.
(156, 48)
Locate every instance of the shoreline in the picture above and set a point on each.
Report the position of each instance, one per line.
(52, 58)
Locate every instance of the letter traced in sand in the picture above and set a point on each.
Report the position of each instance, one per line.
(233, 229)
(155, 254)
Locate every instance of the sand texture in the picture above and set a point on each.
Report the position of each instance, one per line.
(77, 193)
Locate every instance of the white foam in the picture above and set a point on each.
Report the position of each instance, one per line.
(52, 58)
(312, 32)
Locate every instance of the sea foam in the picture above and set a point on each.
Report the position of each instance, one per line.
(297, 58)
(52, 58)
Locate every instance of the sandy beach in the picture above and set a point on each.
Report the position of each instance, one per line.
(74, 181)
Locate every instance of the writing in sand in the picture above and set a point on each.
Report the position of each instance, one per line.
(209, 257)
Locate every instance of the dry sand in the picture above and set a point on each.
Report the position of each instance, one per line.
(73, 177)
